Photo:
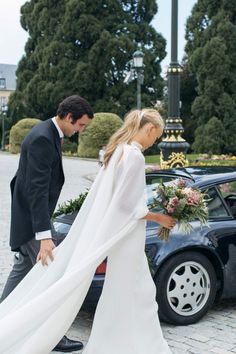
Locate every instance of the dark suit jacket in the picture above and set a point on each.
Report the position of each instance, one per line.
(37, 184)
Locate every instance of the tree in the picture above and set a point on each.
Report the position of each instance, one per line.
(210, 137)
(83, 47)
(187, 95)
(211, 52)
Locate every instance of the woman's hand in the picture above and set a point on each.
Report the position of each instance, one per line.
(162, 219)
(166, 221)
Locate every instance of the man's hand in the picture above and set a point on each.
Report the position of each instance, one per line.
(46, 247)
(165, 220)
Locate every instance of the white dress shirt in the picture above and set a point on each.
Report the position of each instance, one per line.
(43, 235)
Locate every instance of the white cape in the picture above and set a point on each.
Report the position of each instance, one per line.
(35, 316)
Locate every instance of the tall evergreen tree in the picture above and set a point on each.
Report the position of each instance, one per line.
(187, 95)
(210, 138)
(83, 47)
(211, 51)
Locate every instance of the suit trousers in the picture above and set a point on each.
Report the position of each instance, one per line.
(23, 263)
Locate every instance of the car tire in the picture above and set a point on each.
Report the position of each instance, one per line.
(186, 288)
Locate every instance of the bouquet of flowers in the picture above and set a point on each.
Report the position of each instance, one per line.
(183, 203)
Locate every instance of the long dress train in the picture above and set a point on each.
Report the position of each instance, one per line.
(41, 309)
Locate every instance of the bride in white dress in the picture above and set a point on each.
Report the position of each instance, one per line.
(111, 223)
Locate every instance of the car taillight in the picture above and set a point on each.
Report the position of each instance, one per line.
(101, 269)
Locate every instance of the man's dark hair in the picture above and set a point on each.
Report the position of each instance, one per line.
(75, 105)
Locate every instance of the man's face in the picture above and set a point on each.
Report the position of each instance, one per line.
(69, 128)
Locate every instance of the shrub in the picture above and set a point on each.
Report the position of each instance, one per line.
(69, 146)
(97, 133)
(210, 137)
(152, 150)
(19, 131)
(71, 206)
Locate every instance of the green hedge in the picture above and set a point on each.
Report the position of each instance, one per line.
(69, 147)
(97, 133)
(71, 205)
(19, 131)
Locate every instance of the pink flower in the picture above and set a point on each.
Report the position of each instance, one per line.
(174, 201)
(182, 183)
(187, 190)
(170, 209)
(193, 197)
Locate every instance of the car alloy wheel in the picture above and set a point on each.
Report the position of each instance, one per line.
(186, 288)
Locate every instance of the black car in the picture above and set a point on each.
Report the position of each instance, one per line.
(190, 271)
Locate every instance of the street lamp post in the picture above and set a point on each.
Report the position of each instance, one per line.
(173, 147)
(3, 113)
(138, 66)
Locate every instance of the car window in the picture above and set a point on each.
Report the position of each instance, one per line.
(215, 206)
(152, 182)
(155, 180)
(227, 188)
(61, 228)
(228, 192)
(59, 231)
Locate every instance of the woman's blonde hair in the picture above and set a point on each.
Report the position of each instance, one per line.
(133, 122)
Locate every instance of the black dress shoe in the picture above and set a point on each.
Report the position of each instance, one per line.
(67, 345)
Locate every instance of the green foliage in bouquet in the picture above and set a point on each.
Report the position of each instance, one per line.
(183, 203)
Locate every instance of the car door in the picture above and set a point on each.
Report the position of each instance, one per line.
(153, 180)
(222, 220)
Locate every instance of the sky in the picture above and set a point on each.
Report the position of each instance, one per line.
(162, 23)
(13, 37)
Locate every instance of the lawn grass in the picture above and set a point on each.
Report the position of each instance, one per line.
(155, 160)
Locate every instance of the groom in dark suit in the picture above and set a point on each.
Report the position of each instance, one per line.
(35, 191)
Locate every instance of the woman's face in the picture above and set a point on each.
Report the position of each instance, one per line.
(152, 134)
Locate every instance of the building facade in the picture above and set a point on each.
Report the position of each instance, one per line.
(7, 83)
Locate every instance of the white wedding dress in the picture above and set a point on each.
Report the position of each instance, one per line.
(35, 316)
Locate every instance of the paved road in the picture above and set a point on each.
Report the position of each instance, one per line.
(215, 334)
